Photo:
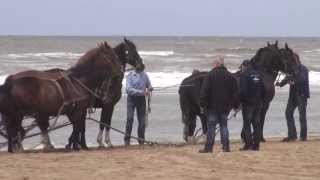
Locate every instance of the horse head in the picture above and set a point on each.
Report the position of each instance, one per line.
(128, 54)
(269, 58)
(290, 60)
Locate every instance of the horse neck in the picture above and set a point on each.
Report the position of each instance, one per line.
(120, 51)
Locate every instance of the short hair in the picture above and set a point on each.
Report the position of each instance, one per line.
(219, 60)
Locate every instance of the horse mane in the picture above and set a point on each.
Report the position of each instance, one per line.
(87, 62)
(120, 50)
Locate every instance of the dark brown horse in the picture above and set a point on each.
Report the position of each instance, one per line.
(44, 94)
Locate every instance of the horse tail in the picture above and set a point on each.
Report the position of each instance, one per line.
(5, 90)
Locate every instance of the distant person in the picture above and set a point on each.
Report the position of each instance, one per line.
(219, 94)
(252, 93)
(298, 96)
(138, 86)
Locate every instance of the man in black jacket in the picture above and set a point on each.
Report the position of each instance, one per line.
(252, 93)
(219, 94)
(298, 95)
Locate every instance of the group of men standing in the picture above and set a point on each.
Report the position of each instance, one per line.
(220, 93)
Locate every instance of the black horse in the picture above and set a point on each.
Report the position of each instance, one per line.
(268, 61)
(128, 54)
(189, 94)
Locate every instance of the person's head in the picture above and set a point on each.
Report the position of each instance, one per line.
(140, 68)
(245, 65)
(219, 61)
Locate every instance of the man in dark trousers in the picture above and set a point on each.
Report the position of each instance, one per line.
(219, 94)
(252, 93)
(138, 86)
(298, 95)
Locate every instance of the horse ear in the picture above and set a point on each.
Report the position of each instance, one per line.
(286, 46)
(268, 44)
(125, 39)
(276, 43)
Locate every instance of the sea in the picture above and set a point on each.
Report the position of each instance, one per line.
(168, 61)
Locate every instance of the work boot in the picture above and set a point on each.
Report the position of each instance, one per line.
(226, 149)
(303, 139)
(289, 139)
(205, 150)
(255, 147)
(245, 148)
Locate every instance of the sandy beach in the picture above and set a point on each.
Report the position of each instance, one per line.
(276, 160)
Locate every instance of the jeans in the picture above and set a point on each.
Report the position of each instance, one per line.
(293, 103)
(252, 116)
(213, 119)
(139, 103)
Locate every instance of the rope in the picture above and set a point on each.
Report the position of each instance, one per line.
(121, 132)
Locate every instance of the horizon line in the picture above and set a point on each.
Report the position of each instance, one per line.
(222, 36)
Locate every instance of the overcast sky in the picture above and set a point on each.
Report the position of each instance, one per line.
(161, 17)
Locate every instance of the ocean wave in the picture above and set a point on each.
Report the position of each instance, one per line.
(156, 53)
(68, 55)
(173, 79)
(312, 51)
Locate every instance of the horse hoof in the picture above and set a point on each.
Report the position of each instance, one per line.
(68, 147)
(85, 147)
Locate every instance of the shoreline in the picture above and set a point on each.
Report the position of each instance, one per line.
(275, 160)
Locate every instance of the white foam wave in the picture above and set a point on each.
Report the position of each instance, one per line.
(3, 78)
(173, 79)
(69, 55)
(156, 53)
(165, 79)
(312, 51)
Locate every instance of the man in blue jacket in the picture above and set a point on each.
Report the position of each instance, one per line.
(137, 86)
(298, 95)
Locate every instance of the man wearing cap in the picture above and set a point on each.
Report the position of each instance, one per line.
(219, 94)
(252, 93)
(138, 86)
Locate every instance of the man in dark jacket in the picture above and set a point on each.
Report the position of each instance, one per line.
(252, 93)
(219, 94)
(298, 95)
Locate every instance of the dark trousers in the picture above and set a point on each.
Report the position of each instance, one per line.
(252, 116)
(213, 119)
(293, 103)
(139, 103)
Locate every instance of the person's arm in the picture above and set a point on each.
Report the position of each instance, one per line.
(303, 81)
(285, 81)
(235, 94)
(243, 87)
(130, 89)
(149, 85)
(205, 92)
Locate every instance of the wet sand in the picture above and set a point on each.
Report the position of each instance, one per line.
(276, 160)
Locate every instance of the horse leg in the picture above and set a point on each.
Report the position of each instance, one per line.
(191, 127)
(14, 136)
(74, 136)
(264, 110)
(109, 112)
(83, 130)
(43, 123)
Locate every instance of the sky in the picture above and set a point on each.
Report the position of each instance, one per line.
(161, 17)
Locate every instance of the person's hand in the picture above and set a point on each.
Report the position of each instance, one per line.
(291, 82)
(150, 89)
(147, 92)
(277, 84)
